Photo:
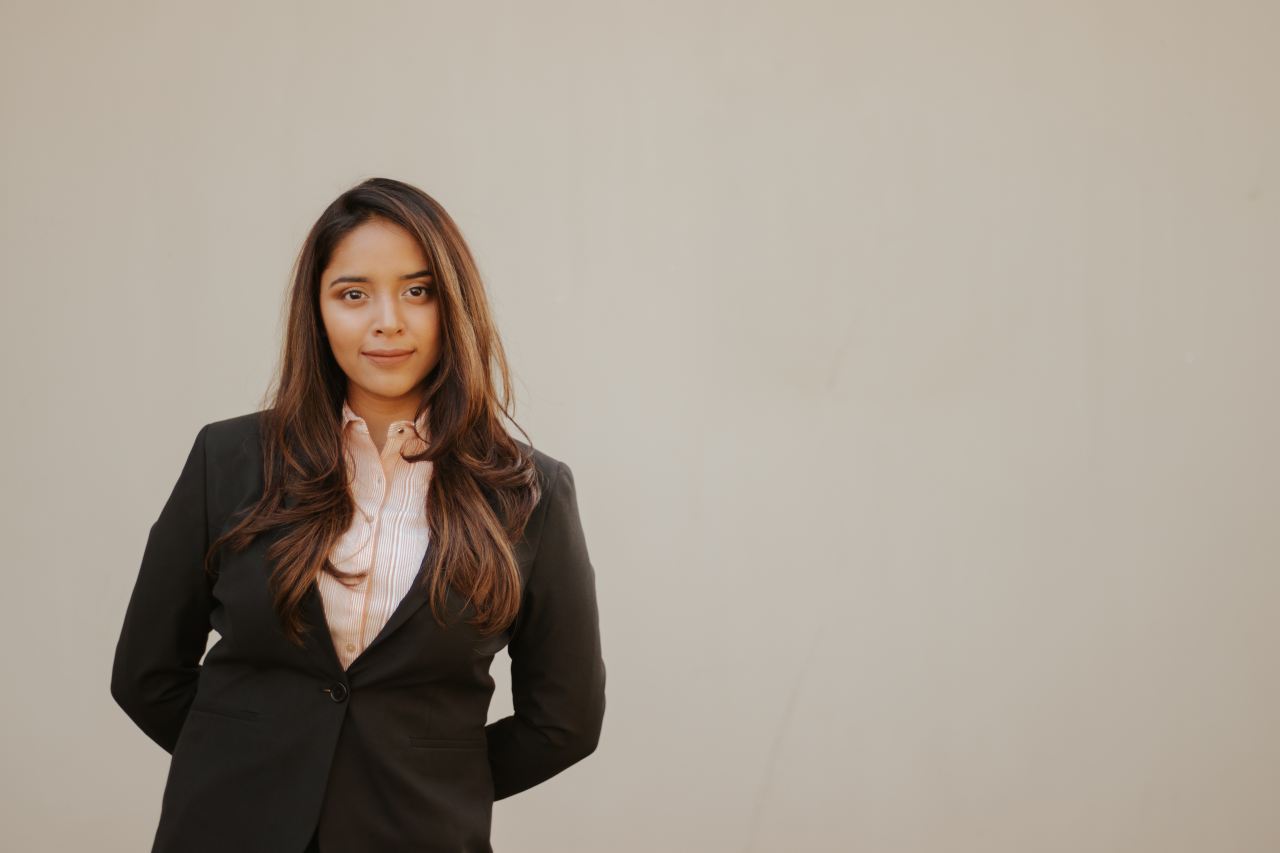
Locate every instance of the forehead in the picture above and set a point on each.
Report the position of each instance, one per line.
(377, 246)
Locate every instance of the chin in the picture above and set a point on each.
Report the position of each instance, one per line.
(385, 386)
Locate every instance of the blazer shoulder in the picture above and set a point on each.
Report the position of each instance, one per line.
(234, 434)
(237, 426)
(547, 465)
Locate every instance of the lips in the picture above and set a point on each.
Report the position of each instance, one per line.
(387, 357)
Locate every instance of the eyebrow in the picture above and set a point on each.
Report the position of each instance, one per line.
(365, 280)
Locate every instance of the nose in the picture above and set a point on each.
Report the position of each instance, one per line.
(388, 320)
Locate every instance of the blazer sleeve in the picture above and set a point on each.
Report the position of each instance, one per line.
(557, 671)
(166, 625)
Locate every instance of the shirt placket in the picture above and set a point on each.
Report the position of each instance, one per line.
(388, 463)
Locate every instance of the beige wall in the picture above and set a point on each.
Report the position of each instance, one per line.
(917, 363)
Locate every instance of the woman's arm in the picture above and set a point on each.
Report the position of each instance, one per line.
(166, 625)
(557, 671)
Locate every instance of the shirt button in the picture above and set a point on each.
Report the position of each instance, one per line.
(351, 647)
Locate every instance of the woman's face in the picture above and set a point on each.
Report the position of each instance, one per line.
(378, 294)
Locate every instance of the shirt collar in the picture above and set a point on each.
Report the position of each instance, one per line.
(349, 415)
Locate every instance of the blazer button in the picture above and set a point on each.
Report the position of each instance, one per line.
(338, 692)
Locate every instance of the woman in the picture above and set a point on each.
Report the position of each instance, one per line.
(364, 546)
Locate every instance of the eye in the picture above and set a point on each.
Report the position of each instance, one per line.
(426, 289)
(347, 293)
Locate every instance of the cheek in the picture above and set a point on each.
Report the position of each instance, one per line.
(428, 323)
(344, 334)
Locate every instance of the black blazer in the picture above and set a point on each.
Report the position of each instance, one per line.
(270, 742)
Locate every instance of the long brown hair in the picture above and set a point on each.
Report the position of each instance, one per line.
(484, 484)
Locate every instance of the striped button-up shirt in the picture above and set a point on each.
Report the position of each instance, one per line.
(388, 536)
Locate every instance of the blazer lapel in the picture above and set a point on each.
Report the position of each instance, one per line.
(313, 609)
(415, 598)
(408, 605)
